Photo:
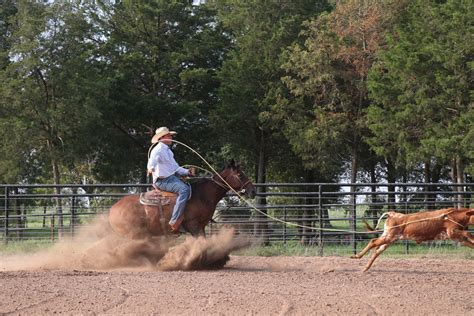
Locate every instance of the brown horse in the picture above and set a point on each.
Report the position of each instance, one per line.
(129, 218)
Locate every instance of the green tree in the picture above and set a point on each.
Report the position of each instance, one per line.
(10, 166)
(49, 90)
(162, 58)
(250, 80)
(326, 77)
(422, 87)
(7, 11)
(250, 75)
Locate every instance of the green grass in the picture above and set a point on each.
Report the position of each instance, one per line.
(397, 250)
(293, 248)
(24, 246)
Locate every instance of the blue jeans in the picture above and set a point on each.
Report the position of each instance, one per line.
(175, 185)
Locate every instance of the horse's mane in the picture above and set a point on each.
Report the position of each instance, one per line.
(199, 180)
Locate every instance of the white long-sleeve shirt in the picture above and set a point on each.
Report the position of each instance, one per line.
(162, 162)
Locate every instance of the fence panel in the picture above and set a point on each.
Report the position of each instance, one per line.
(325, 215)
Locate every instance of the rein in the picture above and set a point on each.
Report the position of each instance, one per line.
(227, 187)
(224, 184)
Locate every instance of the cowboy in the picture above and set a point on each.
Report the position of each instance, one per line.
(166, 172)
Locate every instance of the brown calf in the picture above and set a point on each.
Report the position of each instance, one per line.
(450, 223)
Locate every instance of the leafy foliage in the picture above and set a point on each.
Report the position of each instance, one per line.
(250, 75)
(295, 90)
(49, 87)
(422, 85)
(326, 76)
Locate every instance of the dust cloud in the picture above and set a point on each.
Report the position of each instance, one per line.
(200, 253)
(97, 247)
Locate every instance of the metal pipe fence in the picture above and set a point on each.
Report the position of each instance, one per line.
(324, 215)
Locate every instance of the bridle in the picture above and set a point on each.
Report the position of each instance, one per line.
(227, 187)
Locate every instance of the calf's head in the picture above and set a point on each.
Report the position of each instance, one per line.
(470, 213)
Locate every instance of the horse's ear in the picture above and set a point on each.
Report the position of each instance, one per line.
(232, 163)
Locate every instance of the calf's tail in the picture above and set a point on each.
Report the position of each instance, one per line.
(369, 228)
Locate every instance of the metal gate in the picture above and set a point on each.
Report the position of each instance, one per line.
(313, 214)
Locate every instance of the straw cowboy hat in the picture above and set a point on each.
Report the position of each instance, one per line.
(160, 132)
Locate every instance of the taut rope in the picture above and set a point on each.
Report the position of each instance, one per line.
(252, 206)
(298, 225)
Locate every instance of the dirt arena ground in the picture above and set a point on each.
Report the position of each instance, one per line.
(249, 285)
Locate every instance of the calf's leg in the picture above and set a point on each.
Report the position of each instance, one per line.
(373, 243)
(376, 253)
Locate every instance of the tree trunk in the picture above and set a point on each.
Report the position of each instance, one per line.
(460, 180)
(354, 167)
(307, 233)
(373, 195)
(435, 177)
(391, 179)
(261, 227)
(427, 179)
(16, 207)
(57, 190)
(404, 197)
(56, 181)
(454, 179)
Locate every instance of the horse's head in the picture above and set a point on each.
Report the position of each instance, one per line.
(237, 180)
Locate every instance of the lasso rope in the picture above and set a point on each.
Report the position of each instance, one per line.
(197, 167)
(252, 206)
(294, 224)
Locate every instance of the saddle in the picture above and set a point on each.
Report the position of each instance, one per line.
(157, 197)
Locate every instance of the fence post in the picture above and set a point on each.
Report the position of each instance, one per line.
(284, 225)
(320, 210)
(6, 214)
(73, 214)
(52, 227)
(354, 216)
(407, 244)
